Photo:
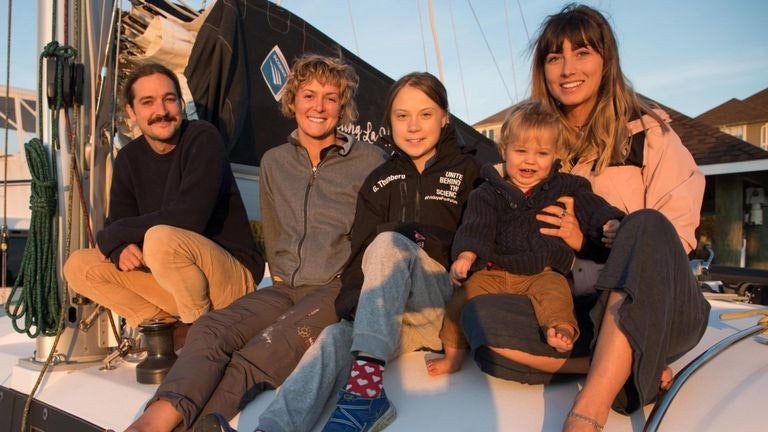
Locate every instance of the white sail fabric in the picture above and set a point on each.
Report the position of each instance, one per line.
(166, 40)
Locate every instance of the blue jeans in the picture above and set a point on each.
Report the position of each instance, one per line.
(400, 310)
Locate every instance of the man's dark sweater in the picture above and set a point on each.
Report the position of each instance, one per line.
(191, 187)
(500, 224)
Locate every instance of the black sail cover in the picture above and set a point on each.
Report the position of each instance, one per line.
(239, 64)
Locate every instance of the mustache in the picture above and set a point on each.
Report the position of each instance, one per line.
(155, 119)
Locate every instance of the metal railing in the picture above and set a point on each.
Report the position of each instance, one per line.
(663, 403)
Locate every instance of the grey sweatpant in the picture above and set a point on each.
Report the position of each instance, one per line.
(400, 310)
(235, 353)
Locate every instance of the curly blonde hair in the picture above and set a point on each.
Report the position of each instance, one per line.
(606, 131)
(326, 70)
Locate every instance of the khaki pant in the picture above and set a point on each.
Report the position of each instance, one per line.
(187, 275)
(548, 292)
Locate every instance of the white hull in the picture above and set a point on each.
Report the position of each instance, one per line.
(724, 396)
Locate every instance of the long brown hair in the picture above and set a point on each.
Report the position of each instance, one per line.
(606, 132)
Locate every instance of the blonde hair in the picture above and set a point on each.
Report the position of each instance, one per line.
(606, 132)
(526, 118)
(325, 70)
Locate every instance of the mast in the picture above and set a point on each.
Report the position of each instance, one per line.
(436, 42)
(73, 346)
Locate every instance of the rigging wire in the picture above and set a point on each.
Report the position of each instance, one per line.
(115, 79)
(495, 63)
(458, 56)
(75, 173)
(436, 41)
(511, 50)
(86, 214)
(423, 40)
(75, 150)
(4, 228)
(354, 32)
(105, 58)
(522, 17)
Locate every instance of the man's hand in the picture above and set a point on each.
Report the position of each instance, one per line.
(131, 258)
(461, 266)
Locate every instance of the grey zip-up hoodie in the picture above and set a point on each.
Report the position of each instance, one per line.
(307, 212)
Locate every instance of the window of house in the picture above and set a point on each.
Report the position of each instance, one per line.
(764, 136)
(737, 131)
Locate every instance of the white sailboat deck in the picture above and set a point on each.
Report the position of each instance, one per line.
(726, 395)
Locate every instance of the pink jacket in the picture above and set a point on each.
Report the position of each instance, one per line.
(669, 180)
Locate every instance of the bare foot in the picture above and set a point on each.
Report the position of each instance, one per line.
(159, 416)
(447, 365)
(561, 337)
(576, 422)
(441, 366)
(666, 378)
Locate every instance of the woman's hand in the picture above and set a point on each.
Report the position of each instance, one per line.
(609, 232)
(565, 221)
(461, 266)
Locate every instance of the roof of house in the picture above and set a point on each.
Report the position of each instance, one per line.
(709, 145)
(706, 143)
(495, 118)
(753, 109)
(759, 99)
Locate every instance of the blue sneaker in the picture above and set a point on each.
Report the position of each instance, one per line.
(355, 413)
(213, 422)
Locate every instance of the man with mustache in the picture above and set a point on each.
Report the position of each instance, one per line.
(177, 241)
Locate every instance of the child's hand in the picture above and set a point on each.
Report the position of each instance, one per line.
(609, 232)
(460, 267)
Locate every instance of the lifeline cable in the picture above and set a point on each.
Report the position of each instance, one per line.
(4, 228)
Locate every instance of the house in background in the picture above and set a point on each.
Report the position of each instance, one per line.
(733, 167)
(745, 119)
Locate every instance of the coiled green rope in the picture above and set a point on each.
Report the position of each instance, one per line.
(38, 304)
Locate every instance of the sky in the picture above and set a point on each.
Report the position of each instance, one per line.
(690, 55)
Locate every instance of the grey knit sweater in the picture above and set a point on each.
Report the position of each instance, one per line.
(307, 212)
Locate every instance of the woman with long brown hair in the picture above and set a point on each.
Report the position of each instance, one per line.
(641, 309)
